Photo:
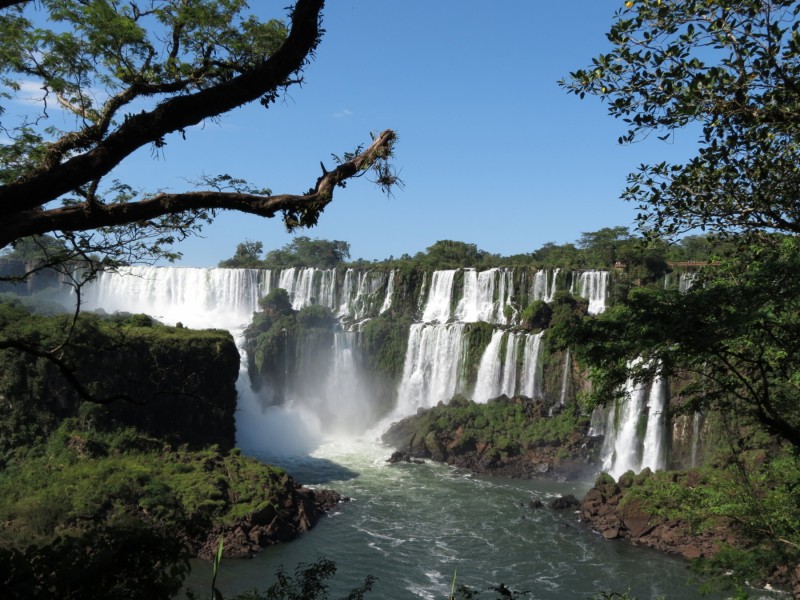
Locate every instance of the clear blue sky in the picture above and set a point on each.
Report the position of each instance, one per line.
(492, 151)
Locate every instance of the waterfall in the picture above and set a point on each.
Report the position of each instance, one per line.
(488, 384)
(437, 308)
(626, 446)
(553, 288)
(531, 384)
(565, 379)
(653, 447)
(697, 422)
(387, 300)
(593, 286)
(200, 298)
(544, 285)
(308, 285)
(508, 385)
(329, 392)
(432, 367)
(360, 293)
(686, 281)
(625, 455)
(344, 402)
(477, 302)
(539, 288)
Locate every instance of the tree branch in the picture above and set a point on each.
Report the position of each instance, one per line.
(10, 3)
(171, 115)
(84, 216)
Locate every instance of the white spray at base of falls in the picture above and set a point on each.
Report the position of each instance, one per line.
(227, 299)
(433, 370)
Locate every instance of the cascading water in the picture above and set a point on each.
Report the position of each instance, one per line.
(686, 281)
(653, 449)
(697, 424)
(508, 384)
(489, 384)
(201, 298)
(485, 296)
(437, 308)
(627, 447)
(531, 384)
(432, 367)
(593, 286)
(565, 379)
(544, 285)
(387, 301)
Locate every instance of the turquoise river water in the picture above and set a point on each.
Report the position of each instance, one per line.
(416, 526)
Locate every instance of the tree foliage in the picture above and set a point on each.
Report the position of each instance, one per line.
(733, 69)
(132, 75)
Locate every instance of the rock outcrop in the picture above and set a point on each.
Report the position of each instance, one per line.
(614, 516)
(298, 510)
(462, 434)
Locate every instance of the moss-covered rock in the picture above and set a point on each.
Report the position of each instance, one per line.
(514, 437)
(167, 381)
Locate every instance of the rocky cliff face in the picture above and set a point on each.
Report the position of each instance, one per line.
(169, 382)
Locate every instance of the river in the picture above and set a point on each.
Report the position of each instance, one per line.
(415, 527)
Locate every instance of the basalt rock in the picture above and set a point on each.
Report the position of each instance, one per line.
(400, 457)
(573, 457)
(299, 510)
(563, 502)
(604, 509)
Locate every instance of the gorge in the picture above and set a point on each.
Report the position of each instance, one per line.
(321, 418)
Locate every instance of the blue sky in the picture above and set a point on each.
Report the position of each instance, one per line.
(492, 151)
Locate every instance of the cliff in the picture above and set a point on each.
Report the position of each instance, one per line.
(117, 459)
(170, 382)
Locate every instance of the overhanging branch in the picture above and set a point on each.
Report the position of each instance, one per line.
(174, 114)
(86, 216)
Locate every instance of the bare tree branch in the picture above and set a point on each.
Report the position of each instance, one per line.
(84, 216)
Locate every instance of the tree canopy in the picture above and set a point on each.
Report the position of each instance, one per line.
(302, 251)
(729, 342)
(732, 68)
(137, 74)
